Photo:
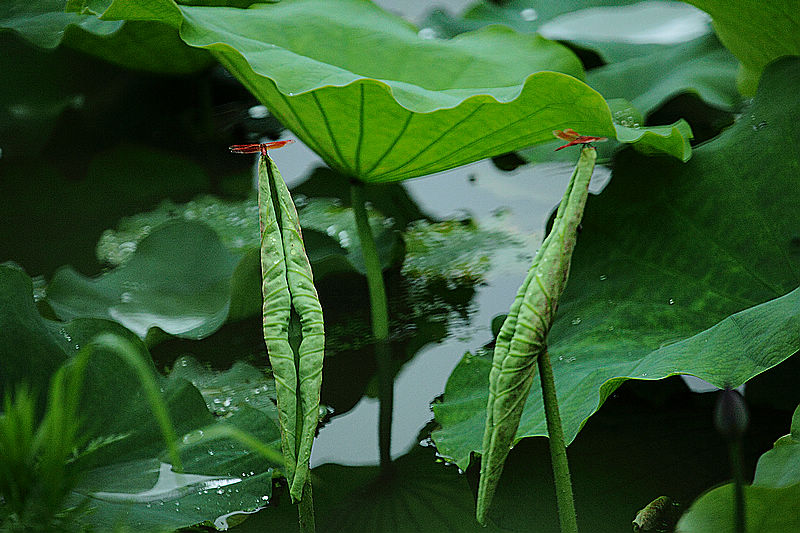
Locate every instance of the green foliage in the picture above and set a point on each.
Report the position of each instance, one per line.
(122, 473)
(680, 268)
(646, 299)
(36, 454)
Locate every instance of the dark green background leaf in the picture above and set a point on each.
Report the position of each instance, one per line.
(771, 503)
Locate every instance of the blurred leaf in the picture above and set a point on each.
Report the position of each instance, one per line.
(227, 392)
(662, 283)
(44, 23)
(123, 472)
(772, 502)
(179, 284)
(525, 16)
(757, 32)
(654, 50)
(702, 66)
(402, 106)
(54, 220)
(136, 45)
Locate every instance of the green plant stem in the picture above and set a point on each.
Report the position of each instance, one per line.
(737, 467)
(305, 509)
(558, 450)
(379, 310)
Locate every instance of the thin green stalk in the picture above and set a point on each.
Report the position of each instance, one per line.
(379, 310)
(558, 450)
(735, 448)
(127, 352)
(305, 509)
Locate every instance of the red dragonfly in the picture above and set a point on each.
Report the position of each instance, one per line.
(258, 148)
(575, 138)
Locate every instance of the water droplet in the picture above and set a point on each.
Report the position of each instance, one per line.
(210, 452)
(529, 14)
(193, 436)
(760, 126)
(560, 357)
(125, 297)
(603, 277)
(427, 33)
(576, 321)
(127, 247)
(258, 111)
(671, 301)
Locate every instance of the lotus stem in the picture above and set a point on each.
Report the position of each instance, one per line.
(379, 310)
(305, 509)
(558, 449)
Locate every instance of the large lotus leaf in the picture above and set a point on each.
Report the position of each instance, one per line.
(757, 32)
(666, 280)
(136, 45)
(124, 473)
(772, 502)
(396, 106)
